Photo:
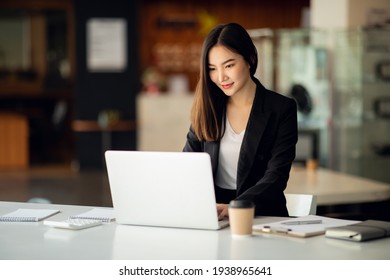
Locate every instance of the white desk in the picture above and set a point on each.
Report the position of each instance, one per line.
(333, 188)
(112, 241)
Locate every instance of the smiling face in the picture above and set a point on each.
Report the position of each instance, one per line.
(228, 70)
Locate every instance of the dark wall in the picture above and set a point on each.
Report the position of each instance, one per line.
(96, 92)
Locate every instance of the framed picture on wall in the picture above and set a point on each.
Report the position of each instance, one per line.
(106, 44)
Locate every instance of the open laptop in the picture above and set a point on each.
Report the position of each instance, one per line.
(168, 189)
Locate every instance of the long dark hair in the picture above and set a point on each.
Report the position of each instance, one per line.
(209, 106)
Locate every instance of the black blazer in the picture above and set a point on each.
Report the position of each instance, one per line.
(267, 151)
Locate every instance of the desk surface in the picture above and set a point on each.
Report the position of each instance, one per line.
(333, 187)
(112, 241)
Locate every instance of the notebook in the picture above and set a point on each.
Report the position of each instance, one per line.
(105, 215)
(28, 215)
(167, 189)
(363, 231)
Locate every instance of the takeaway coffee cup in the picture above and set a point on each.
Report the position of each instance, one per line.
(241, 213)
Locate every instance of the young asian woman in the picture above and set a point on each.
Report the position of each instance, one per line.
(249, 132)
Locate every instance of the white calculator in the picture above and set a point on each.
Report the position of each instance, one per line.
(73, 223)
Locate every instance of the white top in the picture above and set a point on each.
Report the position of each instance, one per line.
(229, 152)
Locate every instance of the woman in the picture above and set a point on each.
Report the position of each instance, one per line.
(249, 132)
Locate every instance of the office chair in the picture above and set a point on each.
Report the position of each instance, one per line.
(301, 204)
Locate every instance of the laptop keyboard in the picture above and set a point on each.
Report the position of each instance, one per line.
(223, 223)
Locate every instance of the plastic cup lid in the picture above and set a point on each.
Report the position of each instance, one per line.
(241, 204)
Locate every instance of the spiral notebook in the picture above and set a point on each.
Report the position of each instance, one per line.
(28, 215)
(105, 215)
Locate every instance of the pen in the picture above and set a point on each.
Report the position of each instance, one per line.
(275, 229)
(303, 222)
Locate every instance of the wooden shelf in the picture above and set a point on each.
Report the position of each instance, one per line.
(93, 126)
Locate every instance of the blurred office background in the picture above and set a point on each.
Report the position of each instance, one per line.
(79, 77)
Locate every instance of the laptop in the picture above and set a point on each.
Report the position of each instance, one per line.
(165, 189)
